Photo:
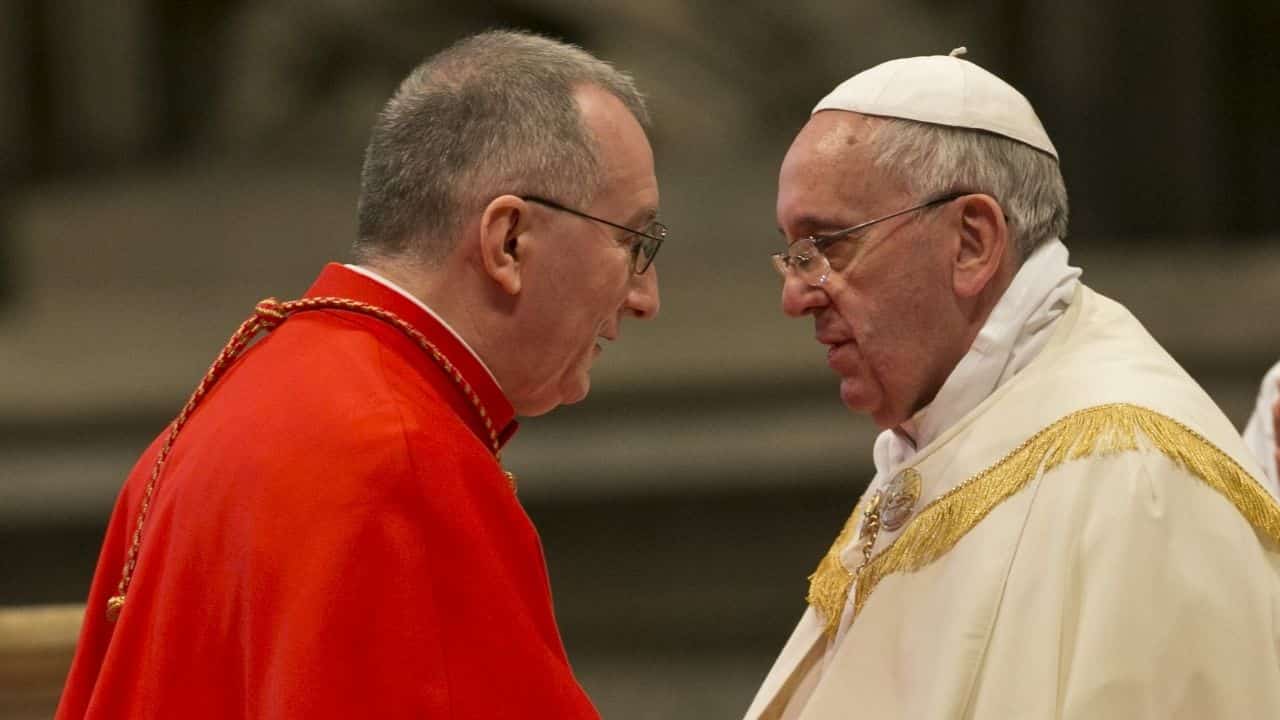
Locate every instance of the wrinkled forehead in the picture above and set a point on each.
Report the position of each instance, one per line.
(829, 176)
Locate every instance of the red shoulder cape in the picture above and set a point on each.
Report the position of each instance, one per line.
(331, 538)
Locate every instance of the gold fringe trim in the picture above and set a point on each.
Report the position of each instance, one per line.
(830, 582)
(1102, 430)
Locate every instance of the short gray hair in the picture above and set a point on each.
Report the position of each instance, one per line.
(493, 114)
(933, 160)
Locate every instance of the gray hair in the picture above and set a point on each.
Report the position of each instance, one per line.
(933, 160)
(493, 114)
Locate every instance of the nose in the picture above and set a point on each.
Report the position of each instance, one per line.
(799, 298)
(642, 297)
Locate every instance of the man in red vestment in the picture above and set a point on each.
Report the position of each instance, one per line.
(326, 530)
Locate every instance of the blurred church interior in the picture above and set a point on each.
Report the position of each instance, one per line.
(166, 164)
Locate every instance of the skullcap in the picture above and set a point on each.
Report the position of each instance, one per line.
(942, 90)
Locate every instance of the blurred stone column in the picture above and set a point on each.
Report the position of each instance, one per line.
(1131, 99)
(15, 160)
(1251, 92)
(14, 54)
(102, 78)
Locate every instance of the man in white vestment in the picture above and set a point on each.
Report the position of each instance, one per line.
(1062, 524)
(1260, 432)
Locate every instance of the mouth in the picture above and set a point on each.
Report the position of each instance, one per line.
(833, 341)
(602, 342)
(834, 345)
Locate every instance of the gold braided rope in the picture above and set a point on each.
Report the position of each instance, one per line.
(267, 315)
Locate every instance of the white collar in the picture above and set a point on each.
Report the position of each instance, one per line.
(1013, 335)
(361, 270)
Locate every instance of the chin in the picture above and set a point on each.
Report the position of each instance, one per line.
(568, 389)
(578, 391)
(534, 408)
(866, 401)
(855, 396)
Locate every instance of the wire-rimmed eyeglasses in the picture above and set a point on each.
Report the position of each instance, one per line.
(645, 245)
(806, 255)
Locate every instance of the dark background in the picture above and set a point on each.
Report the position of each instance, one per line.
(163, 165)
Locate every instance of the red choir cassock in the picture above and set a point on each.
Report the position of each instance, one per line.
(331, 537)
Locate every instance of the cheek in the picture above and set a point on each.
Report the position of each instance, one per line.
(602, 281)
(583, 313)
(862, 310)
(887, 321)
(606, 296)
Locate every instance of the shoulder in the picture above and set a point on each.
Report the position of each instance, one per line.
(342, 392)
(1133, 465)
(1104, 358)
(351, 400)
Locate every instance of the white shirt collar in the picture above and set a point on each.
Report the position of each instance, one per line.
(360, 270)
(1016, 331)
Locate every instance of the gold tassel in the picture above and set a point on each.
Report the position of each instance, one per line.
(830, 582)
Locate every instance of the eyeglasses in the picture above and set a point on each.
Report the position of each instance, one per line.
(644, 245)
(806, 255)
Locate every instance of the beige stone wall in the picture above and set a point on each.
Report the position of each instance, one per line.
(36, 645)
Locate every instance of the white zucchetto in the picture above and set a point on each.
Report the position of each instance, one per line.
(942, 90)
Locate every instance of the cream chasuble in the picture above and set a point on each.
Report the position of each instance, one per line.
(1089, 541)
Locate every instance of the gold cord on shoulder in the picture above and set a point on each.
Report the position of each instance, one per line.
(1097, 431)
(267, 315)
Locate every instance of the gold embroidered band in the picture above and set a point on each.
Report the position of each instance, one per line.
(1102, 430)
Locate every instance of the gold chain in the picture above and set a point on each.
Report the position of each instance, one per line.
(870, 530)
(267, 315)
(868, 534)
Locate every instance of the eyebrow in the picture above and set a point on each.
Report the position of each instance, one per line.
(641, 219)
(811, 223)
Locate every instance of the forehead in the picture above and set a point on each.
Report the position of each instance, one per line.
(625, 155)
(828, 178)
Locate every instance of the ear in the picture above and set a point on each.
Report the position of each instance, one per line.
(502, 226)
(984, 242)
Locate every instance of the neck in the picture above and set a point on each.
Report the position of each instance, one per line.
(441, 289)
(1012, 321)
(456, 293)
(413, 278)
(970, 315)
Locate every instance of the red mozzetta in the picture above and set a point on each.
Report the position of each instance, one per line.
(331, 537)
